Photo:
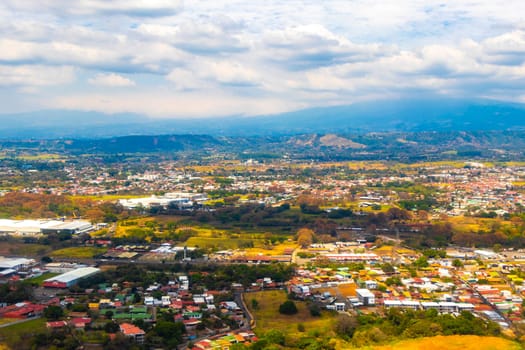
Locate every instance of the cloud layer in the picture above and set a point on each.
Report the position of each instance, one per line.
(166, 58)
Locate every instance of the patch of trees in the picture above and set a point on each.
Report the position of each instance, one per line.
(192, 254)
(11, 293)
(53, 313)
(436, 235)
(220, 277)
(305, 237)
(32, 205)
(246, 216)
(288, 308)
(166, 333)
(340, 213)
(310, 209)
(435, 253)
(479, 239)
(63, 339)
(418, 204)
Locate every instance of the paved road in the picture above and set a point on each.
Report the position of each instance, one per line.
(248, 316)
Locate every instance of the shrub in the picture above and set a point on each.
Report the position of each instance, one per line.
(288, 308)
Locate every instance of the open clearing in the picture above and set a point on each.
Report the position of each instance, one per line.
(267, 315)
(344, 290)
(23, 249)
(12, 334)
(452, 342)
(78, 252)
(40, 279)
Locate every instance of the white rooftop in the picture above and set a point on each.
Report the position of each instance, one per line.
(74, 275)
(9, 263)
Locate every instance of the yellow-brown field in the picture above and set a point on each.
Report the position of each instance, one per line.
(345, 290)
(278, 249)
(453, 342)
(205, 237)
(43, 156)
(474, 224)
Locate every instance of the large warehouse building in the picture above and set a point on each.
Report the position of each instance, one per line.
(36, 227)
(70, 278)
(15, 263)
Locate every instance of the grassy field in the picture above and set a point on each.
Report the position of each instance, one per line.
(23, 249)
(474, 224)
(219, 243)
(367, 165)
(267, 315)
(13, 334)
(7, 320)
(203, 236)
(41, 157)
(453, 342)
(40, 279)
(132, 227)
(78, 252)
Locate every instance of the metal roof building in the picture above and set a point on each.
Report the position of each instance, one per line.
(70, 278)
(15, 263)
(35, 227)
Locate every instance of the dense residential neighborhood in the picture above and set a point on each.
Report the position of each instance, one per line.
(178, 256)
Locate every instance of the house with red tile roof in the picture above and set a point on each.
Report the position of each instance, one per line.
(133, 332)
(80, 322)
(56, 325)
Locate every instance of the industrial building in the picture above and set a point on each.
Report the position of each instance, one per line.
(70, 278)
(72, 227)
(15, 263)
(178, 199)
(63, 267)
(43, 226)
(366, 297)
(9, 267)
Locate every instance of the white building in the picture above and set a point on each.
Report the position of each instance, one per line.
(370, 284)
(15, 263)
(70, 278)
(43, 226)
(340, 306)
(365, 296)
(180, 199)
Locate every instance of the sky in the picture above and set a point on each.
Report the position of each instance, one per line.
(203, 58)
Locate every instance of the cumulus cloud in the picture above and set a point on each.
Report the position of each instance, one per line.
(35, 75)
(508, 48)
(184, 79)
(140, 8)
(226, 72)
(310, 46)
(234, 56)
(112, 54)
(198, 37)
(112, 80)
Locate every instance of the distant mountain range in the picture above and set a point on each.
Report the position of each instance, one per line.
(377, 116)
